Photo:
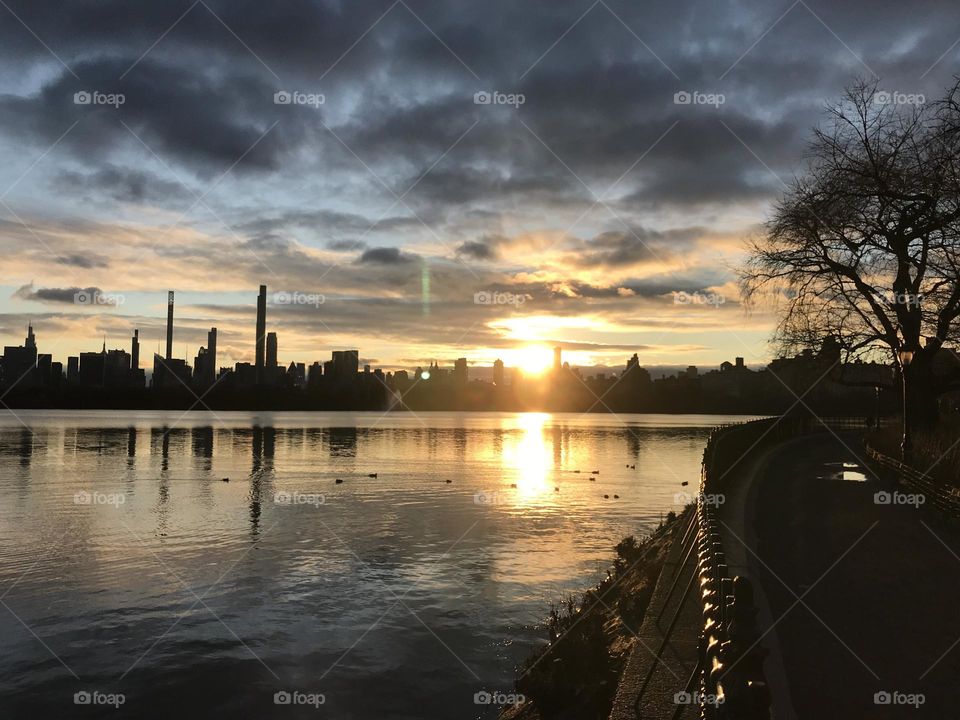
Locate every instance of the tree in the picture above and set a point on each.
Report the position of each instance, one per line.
(864, 246)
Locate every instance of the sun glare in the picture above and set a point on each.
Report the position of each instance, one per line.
(532, 359)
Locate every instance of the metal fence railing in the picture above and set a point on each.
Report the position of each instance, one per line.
(732, 682)
(729, 673)
(943, 497)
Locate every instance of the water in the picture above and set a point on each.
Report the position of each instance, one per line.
(130, 567)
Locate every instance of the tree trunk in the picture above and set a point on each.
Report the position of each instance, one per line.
(921, 405)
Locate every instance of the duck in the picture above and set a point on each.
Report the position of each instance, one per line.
(616, 497)
(338, 481)
(684, 483)
(513, 485)
(606, 496)
(633, 467)
(224, 479)
(449, 481)
(592, 479)
(373, 475)
(594, 472)
(556, 489)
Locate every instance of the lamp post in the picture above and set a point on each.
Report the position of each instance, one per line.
(876, 389)
(906, 357)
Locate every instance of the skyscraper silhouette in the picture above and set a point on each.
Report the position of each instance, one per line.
(212, 349)
(261, 330)
(271, 350)
(169, 354)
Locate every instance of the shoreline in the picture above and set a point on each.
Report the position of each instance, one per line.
(576, 675)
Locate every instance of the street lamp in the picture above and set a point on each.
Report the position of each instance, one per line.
(906, 357)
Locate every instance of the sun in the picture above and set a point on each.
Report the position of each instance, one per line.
(533, 359)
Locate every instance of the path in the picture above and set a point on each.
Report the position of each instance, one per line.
(862, 597)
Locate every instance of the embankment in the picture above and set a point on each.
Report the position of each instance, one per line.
(590, 638)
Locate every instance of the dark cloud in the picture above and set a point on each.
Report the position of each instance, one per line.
(485, 248)
(634, 246)
(386, 256)
(89, 296)
(121, 184)
(87, 260)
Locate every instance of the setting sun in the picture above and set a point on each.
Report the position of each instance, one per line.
(533, 359)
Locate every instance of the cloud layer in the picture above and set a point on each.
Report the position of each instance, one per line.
(145, 148)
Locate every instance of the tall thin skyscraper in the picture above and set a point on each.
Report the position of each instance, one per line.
(135, 351)
(170, 325)
(31, 341)
(261, 330)
(212, 350)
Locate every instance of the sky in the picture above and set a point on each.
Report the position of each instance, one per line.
(419, 180)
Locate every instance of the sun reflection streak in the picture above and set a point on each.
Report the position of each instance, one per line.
(530, 457)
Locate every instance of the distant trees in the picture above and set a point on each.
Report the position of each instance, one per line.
(865, 244)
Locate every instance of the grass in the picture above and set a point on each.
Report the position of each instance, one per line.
(576, 674)
(936, 451)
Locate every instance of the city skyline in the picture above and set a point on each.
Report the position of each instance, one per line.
(531, 358)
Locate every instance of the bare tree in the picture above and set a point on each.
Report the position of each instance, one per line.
(865, 244)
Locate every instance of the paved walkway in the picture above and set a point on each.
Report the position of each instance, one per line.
(661, 679)
(858, 598)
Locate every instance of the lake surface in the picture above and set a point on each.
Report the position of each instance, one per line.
(129, 567)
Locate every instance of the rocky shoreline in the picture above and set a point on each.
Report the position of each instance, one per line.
(575, 676)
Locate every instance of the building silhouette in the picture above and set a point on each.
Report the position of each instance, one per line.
(20, 363)
(261, 331)
(498, 372)
(271, 350)
(169, 354)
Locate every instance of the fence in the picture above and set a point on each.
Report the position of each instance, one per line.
(942, 497)
(732, 683)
